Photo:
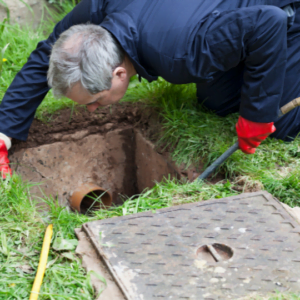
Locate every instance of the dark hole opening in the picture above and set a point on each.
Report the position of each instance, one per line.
(215, 252)
(94, 200)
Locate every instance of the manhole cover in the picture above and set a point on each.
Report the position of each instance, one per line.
(217, 249)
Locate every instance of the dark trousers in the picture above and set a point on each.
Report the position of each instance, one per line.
(223, 93)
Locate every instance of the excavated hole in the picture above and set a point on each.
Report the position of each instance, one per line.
(121, 161)
(107, 148)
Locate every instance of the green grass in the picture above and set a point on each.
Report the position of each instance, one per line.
(197, 136)
(22, 41)
(23, 227)
(193, 134)
(21, 236)
(285, 297)
(22, 230)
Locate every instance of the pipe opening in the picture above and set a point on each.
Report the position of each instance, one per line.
(121, 163)
(95, 200)
(90, 197)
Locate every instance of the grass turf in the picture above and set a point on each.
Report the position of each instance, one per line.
(21, 42)
(195, 134)
(191, 132)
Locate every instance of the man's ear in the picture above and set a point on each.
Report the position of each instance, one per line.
(120, 73)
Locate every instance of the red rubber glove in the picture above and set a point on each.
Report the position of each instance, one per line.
(251, 134)
(4, 162)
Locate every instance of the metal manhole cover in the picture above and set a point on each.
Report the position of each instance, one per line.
(217, 249)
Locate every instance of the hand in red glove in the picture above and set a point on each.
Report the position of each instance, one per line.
(4, 162)
(251, 134)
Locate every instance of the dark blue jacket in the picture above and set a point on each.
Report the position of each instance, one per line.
(168, 38)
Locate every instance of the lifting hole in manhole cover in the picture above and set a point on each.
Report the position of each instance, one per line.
(214, 252)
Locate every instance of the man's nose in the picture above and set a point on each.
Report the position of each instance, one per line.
(92, 107)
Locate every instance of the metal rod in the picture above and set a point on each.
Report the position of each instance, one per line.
(219, 161)
(214, 253)
(283, 110)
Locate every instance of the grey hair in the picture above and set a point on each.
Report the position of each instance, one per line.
(87, 54)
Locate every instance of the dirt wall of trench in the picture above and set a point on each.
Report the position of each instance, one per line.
(111, 151)
(121, 161)
(113, 148)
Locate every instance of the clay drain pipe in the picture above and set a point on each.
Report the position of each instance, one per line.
(90, 197)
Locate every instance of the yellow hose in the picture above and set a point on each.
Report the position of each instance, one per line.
(42, 264)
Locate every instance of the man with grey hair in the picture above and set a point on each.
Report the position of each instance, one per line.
(243, 56)
(89, 66)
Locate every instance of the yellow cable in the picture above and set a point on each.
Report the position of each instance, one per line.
(42, 264)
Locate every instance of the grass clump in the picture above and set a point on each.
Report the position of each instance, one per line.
(21, 236)
(21, 42)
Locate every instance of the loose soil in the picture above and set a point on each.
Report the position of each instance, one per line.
(113, 148)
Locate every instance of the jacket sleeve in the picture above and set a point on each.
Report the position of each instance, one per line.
(29, 87)
(257, 37)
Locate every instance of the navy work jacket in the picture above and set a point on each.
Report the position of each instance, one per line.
(161, 37)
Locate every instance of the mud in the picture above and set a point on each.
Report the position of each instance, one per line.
(112, 148)
(67, 125)
(245, 184)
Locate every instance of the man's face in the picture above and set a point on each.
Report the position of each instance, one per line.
(118, 88)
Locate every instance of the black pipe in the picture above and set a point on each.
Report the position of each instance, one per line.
(289, 106)
(219, 161)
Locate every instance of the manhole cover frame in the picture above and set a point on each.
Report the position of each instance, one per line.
(93, 228)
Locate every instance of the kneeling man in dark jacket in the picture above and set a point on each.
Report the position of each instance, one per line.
(243, 55)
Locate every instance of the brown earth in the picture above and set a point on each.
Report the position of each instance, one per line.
(65, 122)
(112, 148)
